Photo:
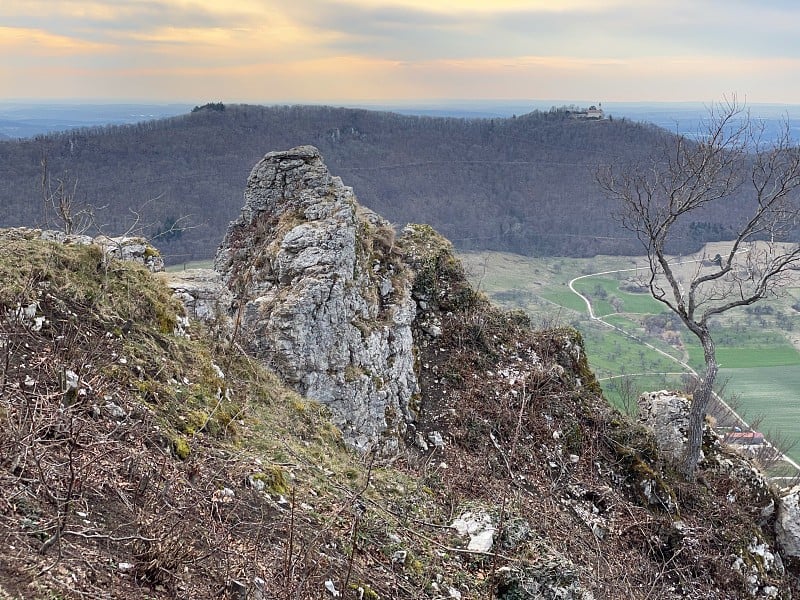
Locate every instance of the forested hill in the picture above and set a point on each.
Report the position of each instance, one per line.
(523, 184)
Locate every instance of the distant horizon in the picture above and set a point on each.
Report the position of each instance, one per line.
(389, 102)
(20, 119)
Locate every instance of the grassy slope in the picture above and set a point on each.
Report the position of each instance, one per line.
(205, 486)
(157, 459)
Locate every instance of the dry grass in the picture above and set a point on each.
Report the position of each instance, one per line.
(97, 504)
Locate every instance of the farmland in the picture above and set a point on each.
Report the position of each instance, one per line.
(757, 348)
(641, 341)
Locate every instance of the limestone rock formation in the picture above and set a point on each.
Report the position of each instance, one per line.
(131, 248)
(321, 296)
(667, 413)
(202, 293)
(787, 526)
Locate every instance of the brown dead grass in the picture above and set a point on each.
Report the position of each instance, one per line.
(99, 506)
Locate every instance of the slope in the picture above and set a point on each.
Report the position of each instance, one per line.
(522, 184)
(141, 457)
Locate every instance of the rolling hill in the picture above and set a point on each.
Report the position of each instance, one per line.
(523, 184)
(506, 184)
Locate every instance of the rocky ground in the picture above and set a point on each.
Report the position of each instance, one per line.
(146, 453)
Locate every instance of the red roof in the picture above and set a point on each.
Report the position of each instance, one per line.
(744, 438)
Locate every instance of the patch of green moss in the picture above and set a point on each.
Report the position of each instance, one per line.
(637, 453)
(275, 480)
(366, 592)
(583, 370)
(224, 420)
(438, 275)
(214, 417)
(180, 447)
(632, 439)
(573, 438)
(307, 420)
(415, 565)
(194, 422)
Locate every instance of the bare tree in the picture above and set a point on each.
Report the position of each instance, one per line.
(74, 219)
(625, 387)
(728, 164)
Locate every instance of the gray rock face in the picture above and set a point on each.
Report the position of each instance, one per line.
(552, 578)
(667, 413)
(202, 293)
(319, 297)
(787, 525)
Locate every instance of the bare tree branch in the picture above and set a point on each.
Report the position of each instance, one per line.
(729, 163)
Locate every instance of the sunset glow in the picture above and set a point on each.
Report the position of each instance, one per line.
(369, 50)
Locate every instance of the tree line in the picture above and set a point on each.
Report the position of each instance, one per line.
(523, 184)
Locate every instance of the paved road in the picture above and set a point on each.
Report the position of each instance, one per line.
(593, 317)
(684, 365)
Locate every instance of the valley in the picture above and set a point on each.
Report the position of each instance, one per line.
(640, 346)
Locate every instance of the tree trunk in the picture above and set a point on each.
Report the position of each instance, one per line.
(697, 413)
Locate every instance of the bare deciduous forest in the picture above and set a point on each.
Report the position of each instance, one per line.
(524, 184)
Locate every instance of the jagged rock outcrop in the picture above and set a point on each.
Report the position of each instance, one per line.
(787, 525)
(563, 496)
(320, 295)
(667, 413)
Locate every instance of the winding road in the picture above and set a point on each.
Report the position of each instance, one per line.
(686, 367)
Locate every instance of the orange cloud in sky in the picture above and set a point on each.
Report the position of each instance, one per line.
(352, 78)
(357, 78)
(314, 51)
(37, 42)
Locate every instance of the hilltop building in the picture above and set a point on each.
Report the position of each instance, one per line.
(593, 113)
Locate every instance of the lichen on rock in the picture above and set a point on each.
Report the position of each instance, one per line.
(319, 297)
(787, 525)
(667, 414)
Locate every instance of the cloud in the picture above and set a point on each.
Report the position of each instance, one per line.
(412, 49)
(417, 30)
(423, 31)
(35, 42)
(104, 20)
(165, 33)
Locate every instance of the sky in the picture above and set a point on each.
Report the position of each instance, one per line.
(373, 51)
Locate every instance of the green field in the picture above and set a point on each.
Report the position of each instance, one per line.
(613, 353)
(566, 298)
(781, 355)
(771, 392)
(631, 303)
(196, 264)
(759, 363)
